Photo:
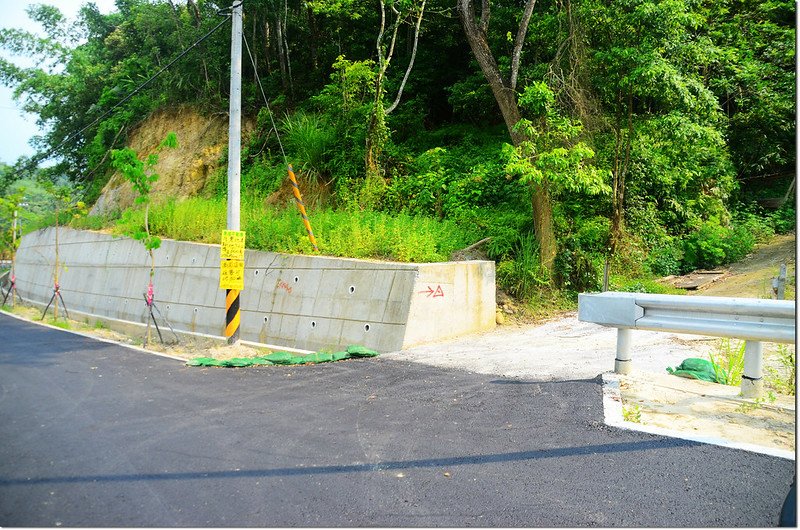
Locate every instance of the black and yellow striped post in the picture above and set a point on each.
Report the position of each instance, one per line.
(232, 315)
(231, 278)
(298, 199)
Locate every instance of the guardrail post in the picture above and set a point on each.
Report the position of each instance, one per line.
(622, 364)
(752, 377)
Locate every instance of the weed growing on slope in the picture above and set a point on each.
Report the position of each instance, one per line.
(728, 361)
(784, 381)
(364, 234)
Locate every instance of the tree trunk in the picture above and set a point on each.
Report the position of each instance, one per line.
(314, 30)
(286, 48)
(192, 7)
(507, 101)
(267, 57)
(281, 56)
(255, 53)
(622, 157)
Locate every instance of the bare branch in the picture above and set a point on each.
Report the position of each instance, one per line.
(411, 62)
(379, 40)
(519, 41)
(395, 29)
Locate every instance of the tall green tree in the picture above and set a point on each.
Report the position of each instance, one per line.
(504, 89)
(646, 59)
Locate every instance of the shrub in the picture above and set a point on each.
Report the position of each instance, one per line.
(665, 259)
(523, 275)
(641, 285)
(713, 244)
(784, 219)
(577, 269)
(308, 140)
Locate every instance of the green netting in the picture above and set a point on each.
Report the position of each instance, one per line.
(319, 357)
(361, 351)
(260, 361)
(280, 357)
(285, 358)
(694, 368)
(203, 361)
(340, 355)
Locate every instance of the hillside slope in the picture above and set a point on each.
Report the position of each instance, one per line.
(202, 141)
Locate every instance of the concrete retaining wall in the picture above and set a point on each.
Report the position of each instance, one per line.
(306, 302)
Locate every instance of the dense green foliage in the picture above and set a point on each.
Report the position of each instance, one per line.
(400, 237)
(644, 117)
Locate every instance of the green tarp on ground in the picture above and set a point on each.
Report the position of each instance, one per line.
(694, 368)
(285, 358)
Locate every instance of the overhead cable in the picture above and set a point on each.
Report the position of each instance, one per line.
(266, 101)
(36, 160)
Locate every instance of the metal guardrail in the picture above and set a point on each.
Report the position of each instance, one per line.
(751, 319)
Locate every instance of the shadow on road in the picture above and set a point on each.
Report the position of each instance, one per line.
(587, 450)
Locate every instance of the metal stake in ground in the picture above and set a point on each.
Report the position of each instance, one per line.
(56, 293)
(153, 306)
(12, 290)
(148, 300)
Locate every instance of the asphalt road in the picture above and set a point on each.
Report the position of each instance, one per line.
(99, 435)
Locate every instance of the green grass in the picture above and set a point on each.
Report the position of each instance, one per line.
(641, 285)
(784, 380)
(63, 324)
(729, 361)
(362, 234)
(632, 413)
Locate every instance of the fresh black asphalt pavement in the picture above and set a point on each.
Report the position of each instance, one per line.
(95, 434)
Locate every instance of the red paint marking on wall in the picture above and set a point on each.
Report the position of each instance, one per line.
(430, 292)
(283, 285)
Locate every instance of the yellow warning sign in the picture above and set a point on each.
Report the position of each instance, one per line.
(231, 274)
(232, 246)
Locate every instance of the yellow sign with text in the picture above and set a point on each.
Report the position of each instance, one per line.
(232, 246)
(231, 274)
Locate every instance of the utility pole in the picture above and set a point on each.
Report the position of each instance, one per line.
(234, 160)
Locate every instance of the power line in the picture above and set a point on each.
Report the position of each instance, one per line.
(266, 102)
(152, 78)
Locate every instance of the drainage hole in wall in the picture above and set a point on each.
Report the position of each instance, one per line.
(352, 289)
(256, 272)
(195, 310)
(366, 328)
(167, 306)
(193, 260)
(266, 319)
(313, 324)
(296, 279)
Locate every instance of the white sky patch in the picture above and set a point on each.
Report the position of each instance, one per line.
(17, 126)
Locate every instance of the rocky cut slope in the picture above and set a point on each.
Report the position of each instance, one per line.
(183, 172)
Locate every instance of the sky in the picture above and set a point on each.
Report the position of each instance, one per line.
(17, 127)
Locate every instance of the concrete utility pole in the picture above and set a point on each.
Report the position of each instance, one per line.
(234, 160)
(235, 119)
